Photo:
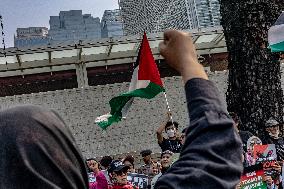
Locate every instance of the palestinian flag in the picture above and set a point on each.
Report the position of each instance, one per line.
(276, 35)
(145, 83)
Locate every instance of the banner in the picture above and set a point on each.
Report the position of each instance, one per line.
(139, 180)
(253, 180)
(262, 153)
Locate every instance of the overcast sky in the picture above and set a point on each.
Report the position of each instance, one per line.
(27, 13)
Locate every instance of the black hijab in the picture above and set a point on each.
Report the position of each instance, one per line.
(37, 151)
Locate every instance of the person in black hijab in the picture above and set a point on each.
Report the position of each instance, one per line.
(38, 151)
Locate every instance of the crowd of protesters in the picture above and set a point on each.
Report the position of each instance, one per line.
(170, 141)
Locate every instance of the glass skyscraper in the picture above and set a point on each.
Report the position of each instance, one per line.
(72, 26)
(111, 23)
(158, 15)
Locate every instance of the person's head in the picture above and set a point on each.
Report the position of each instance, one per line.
(118, 172)
(183, 136)
(129, 161)
(106, 161)
(166, 159)
(155, 168)
(236, 120)
(272, 127)
(93, 164)
(146, 155)
(253, 141)
(171, 129)
(38, 151)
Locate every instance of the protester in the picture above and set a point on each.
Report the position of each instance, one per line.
(211, 155)
(129, 161)
(38, 151)
(148, 167)
(172, 142)
(166, 161)
(105, 162)
(245, 135)
(156, 168)
(249, 154)
(101, 181)
(118, 176)
(272, 137)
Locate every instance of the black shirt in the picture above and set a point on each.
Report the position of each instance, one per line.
(172, 145)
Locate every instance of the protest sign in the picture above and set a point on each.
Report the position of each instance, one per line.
(139, 180)
(263, 153)
(92, 177)
(253, 180)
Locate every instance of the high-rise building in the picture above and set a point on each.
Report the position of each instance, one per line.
(158, 15)
(111, 23)
(153, 15)
(31, 37)
(72, 26)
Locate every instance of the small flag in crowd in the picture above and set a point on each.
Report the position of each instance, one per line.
(145, 83)
(276, 35)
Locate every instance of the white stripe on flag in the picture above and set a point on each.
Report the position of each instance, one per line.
(276, 34)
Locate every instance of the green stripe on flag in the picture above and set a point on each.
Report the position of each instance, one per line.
(117, 103)
(278, 47)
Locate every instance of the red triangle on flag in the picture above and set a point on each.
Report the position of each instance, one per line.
(148, 69)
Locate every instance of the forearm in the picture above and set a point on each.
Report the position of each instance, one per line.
(161, 128)
(193, 70)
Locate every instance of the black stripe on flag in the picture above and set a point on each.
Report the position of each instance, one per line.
(280, 20)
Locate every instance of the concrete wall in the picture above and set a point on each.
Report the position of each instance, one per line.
(80, 107)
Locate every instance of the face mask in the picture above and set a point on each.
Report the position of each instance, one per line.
(171, 133)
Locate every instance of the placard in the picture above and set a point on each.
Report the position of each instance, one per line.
(253, 180)
(262, 153)
(139, 180)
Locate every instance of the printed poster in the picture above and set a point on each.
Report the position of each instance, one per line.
(253, 180)
(262, 153)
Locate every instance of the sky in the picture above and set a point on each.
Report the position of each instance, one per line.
(36, 13)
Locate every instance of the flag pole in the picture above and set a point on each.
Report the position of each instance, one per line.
(168, 107)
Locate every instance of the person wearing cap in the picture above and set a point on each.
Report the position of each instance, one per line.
(166, 161)
(272, 137)
(148, 167)
(172, 142)
(118, 175)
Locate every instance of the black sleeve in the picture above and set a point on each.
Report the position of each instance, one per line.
(211, 155)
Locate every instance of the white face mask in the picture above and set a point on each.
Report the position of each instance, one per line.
(171, 133)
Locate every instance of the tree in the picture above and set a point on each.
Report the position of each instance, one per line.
(254, 85)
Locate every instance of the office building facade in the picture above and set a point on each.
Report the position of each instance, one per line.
(111, 24)
(153, 15)
(31, 37)
(72, 26)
